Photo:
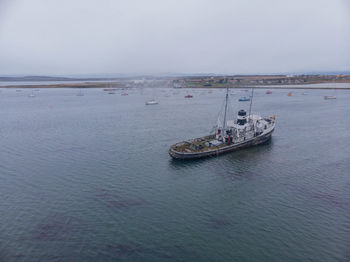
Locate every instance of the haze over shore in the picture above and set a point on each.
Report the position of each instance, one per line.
(195, 81)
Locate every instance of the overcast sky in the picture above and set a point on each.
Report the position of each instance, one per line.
(56, 37)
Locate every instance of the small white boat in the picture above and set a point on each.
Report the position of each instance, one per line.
(151, 102)
(329, 97)
(244, 99)
(32, 94)
(111, 91)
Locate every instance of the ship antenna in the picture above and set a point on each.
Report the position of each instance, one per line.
(251, 102)
(226, 100)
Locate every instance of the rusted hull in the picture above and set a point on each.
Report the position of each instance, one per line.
(230, 148)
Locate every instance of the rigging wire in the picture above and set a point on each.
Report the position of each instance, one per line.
(251, 102)
(218, 116)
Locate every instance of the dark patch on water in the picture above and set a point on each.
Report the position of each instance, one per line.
(52, 258)
(335, 164)
(12, 257)
(164, 254)
(125, 203)
(105, 194)
(174, 252)
(325, 197)
(220, 222)
(68, 149)
(236, 174)
(53, 227)
(180, 247)
(113, 200)
(123, 250)
(242, 174)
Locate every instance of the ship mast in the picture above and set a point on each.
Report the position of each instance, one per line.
(224, 126)
(251, 102)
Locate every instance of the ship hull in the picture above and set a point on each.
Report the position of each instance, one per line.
(222, 150)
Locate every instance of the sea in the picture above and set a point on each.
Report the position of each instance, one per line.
(89, 178)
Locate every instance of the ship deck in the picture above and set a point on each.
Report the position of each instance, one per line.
(197, 148)
(196, 145)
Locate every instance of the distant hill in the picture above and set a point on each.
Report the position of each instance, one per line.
(35, 78)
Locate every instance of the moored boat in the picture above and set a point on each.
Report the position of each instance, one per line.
(229, 135)
(152, 102)
(32, 94)
(110, 91)
(188, 96)
(329, 97)
(244, 99)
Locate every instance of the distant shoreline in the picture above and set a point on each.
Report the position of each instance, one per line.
(70, 85)
(122, 85)
(208, 82)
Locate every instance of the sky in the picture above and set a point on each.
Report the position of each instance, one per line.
(92, 37)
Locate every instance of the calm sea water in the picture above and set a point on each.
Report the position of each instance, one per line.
(88, 178)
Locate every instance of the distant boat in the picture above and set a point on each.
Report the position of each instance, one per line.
(332, 96)
(151, 102)
(268, 92)
(124, 94)
(329, 97)
(188, 96)
(32, 94)
(244, 99)
(18, 90)
(177, 85)
(111, 91)
(289, 94)
(304, 94)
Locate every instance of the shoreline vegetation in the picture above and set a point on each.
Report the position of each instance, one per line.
(244, 81)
